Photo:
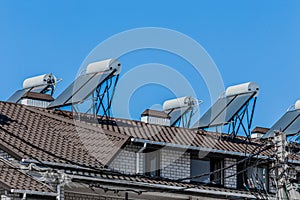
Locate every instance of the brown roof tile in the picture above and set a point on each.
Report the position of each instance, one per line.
(32, 133)
(260, 130)
(38, 96)
(167, 182)
(13, 178)
(155, 113)
(174, 135)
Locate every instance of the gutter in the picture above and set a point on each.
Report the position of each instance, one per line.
(234, 153)
(195, 148)
(52, 194)
(139, 184)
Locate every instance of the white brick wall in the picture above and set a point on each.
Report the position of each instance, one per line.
(125, 161)
(232, 181)
(175, 164)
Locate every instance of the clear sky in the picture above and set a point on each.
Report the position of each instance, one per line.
(248, 40)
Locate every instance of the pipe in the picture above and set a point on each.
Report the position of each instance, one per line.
(58, 188)
(24, 196)
(138, 158)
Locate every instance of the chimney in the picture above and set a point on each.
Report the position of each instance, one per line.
(155, 117)
(258, 132)
(36, 99)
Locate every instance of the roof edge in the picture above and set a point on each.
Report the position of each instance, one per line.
(33, 192)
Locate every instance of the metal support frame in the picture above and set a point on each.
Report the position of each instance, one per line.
(185, 120)
(101, 99)
(243, 120)
(49, 88)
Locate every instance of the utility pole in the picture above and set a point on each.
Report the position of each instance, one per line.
(281, 165)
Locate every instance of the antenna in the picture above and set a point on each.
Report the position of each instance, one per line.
(235, 108)
(97, 85)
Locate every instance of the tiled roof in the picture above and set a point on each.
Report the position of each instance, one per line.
(141, 181)
(13, 178)
(31, 133)
(174, 135)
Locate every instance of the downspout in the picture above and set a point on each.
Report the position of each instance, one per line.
(58, 188)
(24, 196)
(138, 170)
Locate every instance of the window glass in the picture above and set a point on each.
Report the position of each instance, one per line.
(218, 175)
(152, 163)
(199, 167)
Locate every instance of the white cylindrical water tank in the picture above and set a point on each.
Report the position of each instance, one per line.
(177, 103)
(242, 88)
(45, 79)
(103, 66)
(297, 105)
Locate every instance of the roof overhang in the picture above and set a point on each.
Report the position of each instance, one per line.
(165, 187)
(52, 194)
(203, 149)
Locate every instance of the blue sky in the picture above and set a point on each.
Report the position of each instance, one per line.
(248, 40)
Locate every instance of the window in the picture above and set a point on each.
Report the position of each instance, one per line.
(199, 167)
(217, 177)
(206, 166)
(152, 164)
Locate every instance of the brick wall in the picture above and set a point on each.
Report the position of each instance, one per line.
(125, 161)
(232, 181)
(175, 164)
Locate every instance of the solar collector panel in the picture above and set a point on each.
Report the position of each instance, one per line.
(232, 109)
(72, 89)
(283, 123)
(176, 115)
(213, 112)
(294, 127)
(17, 96)
(88, 88)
